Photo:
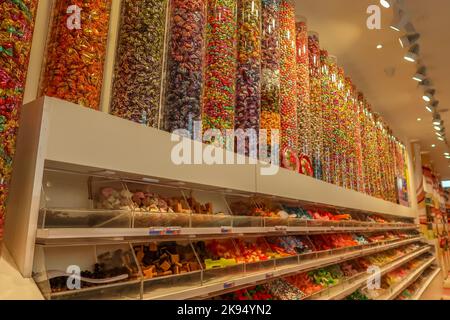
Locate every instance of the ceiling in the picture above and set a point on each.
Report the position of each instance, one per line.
(383, 75)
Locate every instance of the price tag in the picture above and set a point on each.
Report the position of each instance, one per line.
(226, 230)
(281, 228)
(228, 285)
(156, 231)
(173, 231)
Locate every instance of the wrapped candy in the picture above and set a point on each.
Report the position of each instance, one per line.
(303, 90)
(342, 147)
(221, 65)
(248, 85)
(139, 64)
(316, 105)
(330, 124)
(16, 32)
(184, 80)
(75, 56)
(270, 69)
(288, 79)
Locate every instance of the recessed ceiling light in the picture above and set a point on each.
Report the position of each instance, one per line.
(385, 3)
(437, 128)
(419, 119)
(428, 96)
(380, 46)
(413, 54)
(440, 139)
(429, 109)
(446, 154)
(433, 146)
(420, 75)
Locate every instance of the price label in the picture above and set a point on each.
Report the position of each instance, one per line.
(281, 228)
(228, 285)
(269, 275)
(173, 231)
(226, 230)
(156, 231)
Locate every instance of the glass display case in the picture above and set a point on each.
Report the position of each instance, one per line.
(219, 95)
(76, 52)
(139, 66)
(80, 201)
(248, 83)
(185, 59)
(87, 272)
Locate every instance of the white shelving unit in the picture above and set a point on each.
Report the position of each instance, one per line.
(427, 283)
(341, 291)
(398, 289)
(59, 135)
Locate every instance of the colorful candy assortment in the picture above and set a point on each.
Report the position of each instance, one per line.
(283, 290)
(270, 69)
(139, 63)
(221, 64)
(75, 56)
(288, 79)
(184, 81)
(307, 284)
(303, 90)
(16, 32)
(248, 85)
(316, 103)
(257, 293)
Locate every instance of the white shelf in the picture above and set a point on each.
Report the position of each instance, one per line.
(337, 293)
(398, 289)
(60, 135)
(248, 280)
(425, 286)
(98, 233)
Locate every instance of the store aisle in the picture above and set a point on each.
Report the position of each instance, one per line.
(12, 285)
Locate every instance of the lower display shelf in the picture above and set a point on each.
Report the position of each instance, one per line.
(202, 283)
(44, 235)
(427, 283)
(398, 289)
(344, 289)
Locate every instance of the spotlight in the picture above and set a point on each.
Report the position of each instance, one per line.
(429, 109)
(437, 119)
(409, 39)
(437, 128)
(420, 75)
(385, 3)
(413, 53)
(441, 139)
(429, 94)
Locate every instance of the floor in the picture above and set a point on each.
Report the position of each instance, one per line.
(12, 285)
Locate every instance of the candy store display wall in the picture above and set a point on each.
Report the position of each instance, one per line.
(16, 31)
(233, 64)
(76, 52)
